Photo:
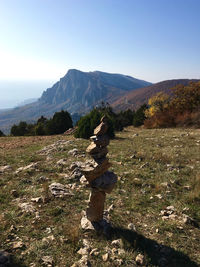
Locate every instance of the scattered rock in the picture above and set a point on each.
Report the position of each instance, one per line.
(59, 190)
(76, 174)
(37, 199)
(84, 251)
(139, 259)
(170, 208)
(131, 227)
(59, 145)
(86, 242)
(27, 207)
(187, 187)
(83, 262)
(5, 168)
(48, 239)
(117, 243)
(13, 229)
(110, 208)
(165, 184)
(73, 152)
(159, 196)
(189, 220)
(105, 257)
(120, 251)
(94, 252)
(62, 162)
(83, 180)
(47, 260)
(76, 164)
(18, 244)
(86, 224)
(30, 167)
(42, 179)
(173, 216)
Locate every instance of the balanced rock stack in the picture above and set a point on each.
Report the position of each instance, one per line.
(96, 172)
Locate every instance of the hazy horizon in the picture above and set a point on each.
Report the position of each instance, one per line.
(19, 91)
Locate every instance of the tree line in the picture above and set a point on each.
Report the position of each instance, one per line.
(116, 121)
(59, 123)
(179, 108)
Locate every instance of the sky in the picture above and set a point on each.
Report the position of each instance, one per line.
(40, 40)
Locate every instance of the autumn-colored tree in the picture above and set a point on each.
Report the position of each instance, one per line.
(157, 103)
(185, 98)
(181, 109)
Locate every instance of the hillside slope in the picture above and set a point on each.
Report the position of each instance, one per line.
(136, 98)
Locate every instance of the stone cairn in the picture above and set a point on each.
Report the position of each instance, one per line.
(96, 172)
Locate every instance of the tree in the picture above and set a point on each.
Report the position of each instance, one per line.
(60, 122)
(139, 116)
(181, 109)
(42, 120)
(157, 103)
(89, 122)
(19, 130)
(39, 129)
(186, 98)
(1, 134)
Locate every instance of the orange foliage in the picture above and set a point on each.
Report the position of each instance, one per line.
(183, 109)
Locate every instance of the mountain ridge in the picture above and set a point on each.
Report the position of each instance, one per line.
(136, 98)
(76, 92)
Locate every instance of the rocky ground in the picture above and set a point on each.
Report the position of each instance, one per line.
(154, 209)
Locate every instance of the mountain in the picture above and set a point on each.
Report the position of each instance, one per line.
(76, 92)
(136, 98)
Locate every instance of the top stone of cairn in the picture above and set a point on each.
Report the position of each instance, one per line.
(102, 128)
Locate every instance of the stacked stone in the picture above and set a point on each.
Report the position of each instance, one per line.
(96, 172)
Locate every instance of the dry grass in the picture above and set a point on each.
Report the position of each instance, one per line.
(157, 168)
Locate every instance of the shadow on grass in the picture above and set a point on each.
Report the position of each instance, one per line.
(15, 264)
(8, 259)
(119, 138)
(158, 255)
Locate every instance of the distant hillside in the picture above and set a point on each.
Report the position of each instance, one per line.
(76, 92)
(27, 101)
(136, 98)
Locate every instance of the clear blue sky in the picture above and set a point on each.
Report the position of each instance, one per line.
(152, 40)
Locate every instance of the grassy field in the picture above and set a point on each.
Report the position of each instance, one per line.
(156, 169)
